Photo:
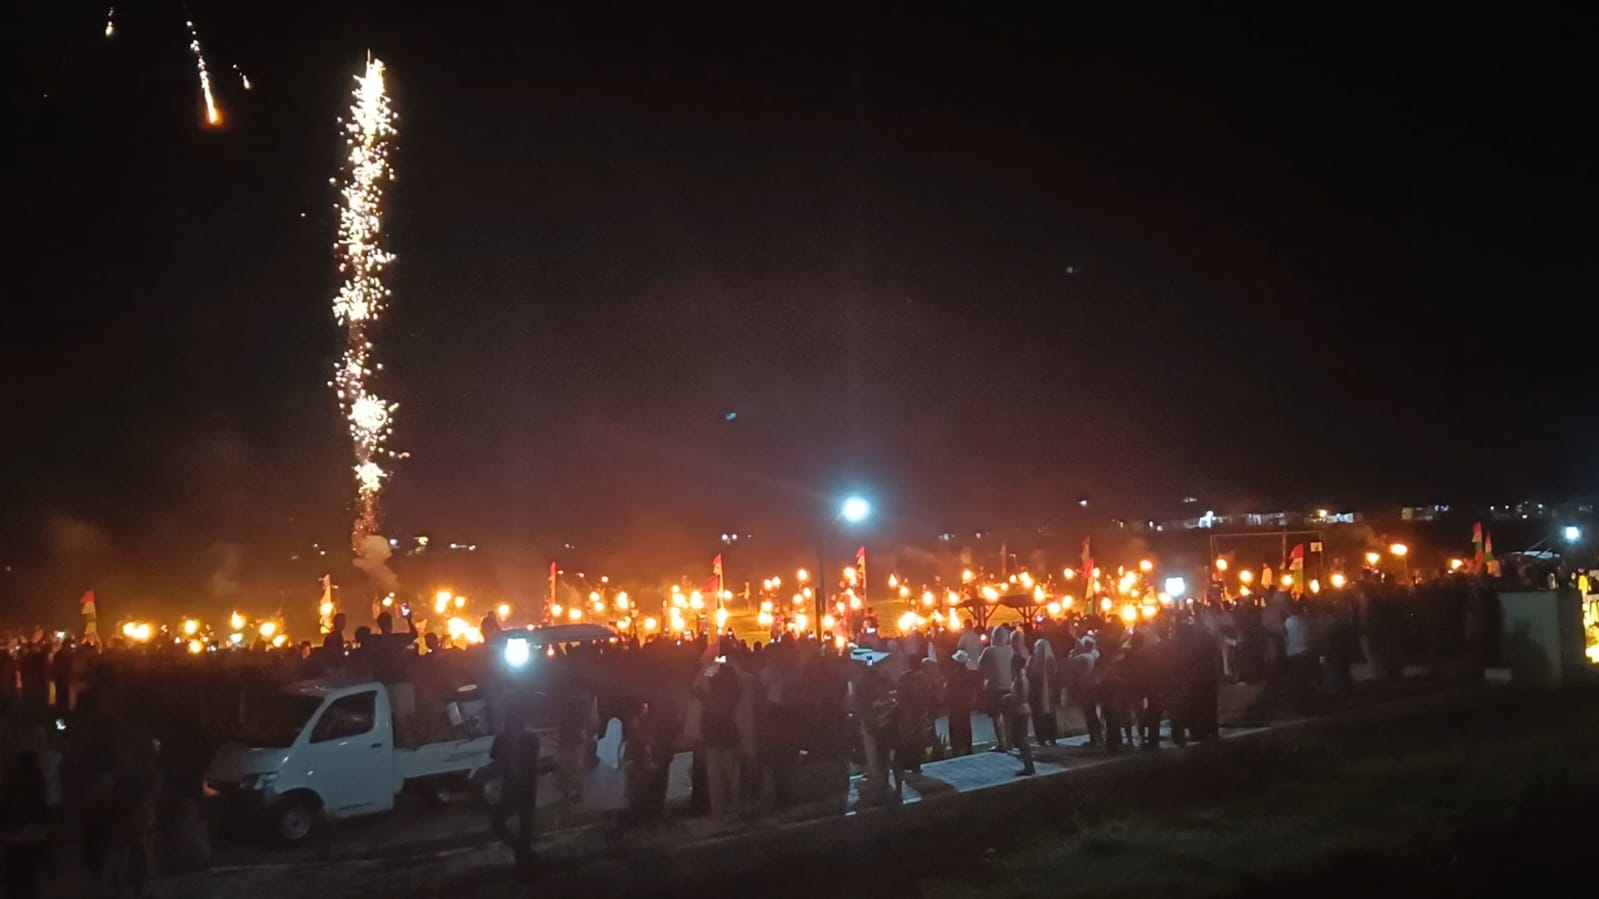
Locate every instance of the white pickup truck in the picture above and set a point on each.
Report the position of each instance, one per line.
(320, 748)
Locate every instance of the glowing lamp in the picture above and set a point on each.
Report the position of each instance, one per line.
(517, 652)
(855, 509)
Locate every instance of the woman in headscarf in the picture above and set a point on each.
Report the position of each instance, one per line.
(997, 669)
(1043, 680)
(1020, 655)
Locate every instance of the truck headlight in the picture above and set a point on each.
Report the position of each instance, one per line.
(258, 781)
(517, 652)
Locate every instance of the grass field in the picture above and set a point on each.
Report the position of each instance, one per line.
(1500, 799)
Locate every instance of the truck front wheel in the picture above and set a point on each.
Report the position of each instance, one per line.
(294, 820)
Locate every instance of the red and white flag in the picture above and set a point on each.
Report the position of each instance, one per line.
(716, 565)
(1296, 559)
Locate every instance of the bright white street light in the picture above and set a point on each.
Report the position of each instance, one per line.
(856, 509)
(1572, 533)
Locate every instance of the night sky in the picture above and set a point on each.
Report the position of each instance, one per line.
(977, 266)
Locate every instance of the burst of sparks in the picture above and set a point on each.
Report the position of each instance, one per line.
(111, 21)
(213, 113)
(361, 297)
(243, 78)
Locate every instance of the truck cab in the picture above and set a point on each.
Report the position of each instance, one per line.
(318, 748)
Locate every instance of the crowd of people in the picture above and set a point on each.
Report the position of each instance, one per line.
(100, 755)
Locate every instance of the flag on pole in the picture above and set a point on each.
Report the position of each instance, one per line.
(1490, 564)
(1478, 556)
(1296, 559)
(716, 565)
(91, 618)
(325, 609)
(1088, 559)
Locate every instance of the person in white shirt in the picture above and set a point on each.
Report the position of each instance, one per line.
(995, 665)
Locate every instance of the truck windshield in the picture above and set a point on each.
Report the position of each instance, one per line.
(277, 719)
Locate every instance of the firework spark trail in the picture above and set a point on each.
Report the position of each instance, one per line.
(243, 78)
(213, 114)
(111, 21)
(361, 298)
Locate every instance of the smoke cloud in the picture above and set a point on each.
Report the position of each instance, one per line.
(230, 562)
(74, 539)
(373, 558)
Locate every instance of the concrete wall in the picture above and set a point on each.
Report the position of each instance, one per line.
(1541, 637)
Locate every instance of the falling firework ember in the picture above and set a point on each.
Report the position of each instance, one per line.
(361, 297)
(244, 79)
(213, 114)
(111, 21)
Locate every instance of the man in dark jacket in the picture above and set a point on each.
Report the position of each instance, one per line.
(516, 753)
